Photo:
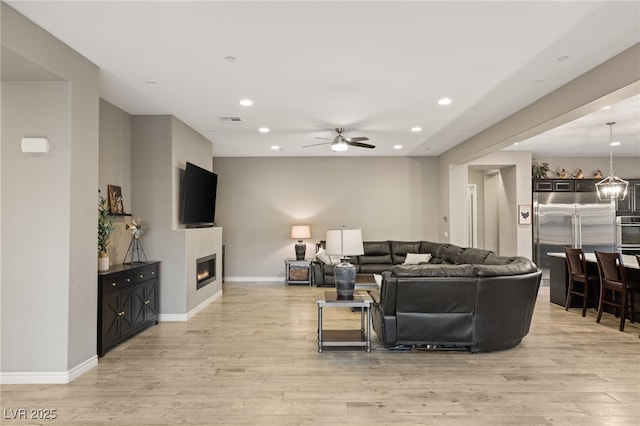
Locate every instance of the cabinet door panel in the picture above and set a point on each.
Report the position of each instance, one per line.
(126, 311)
(151, 302)
(110, 317)
(139, 309)
(634, 195)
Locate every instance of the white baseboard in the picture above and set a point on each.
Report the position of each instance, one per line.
(172, 317)
(48, 377)
(254, 279)
(204, 304)
(191, 313)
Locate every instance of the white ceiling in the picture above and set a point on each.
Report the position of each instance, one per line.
(376, 68)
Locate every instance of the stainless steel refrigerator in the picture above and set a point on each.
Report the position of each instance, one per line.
(575, 219)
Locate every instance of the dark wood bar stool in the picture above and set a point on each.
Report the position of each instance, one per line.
(577, 266)
(612, 278)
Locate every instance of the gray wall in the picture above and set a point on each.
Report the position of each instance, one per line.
(51, 264)
(161, 146)
(115, 169)
(35, 187)
(260, 198)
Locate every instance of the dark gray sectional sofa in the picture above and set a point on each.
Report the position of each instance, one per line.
(462, 298)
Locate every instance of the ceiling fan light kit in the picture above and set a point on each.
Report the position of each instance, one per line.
(340, 143)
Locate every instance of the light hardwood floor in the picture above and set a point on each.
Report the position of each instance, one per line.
(251, 358)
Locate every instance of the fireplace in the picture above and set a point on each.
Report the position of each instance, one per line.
(205, 270)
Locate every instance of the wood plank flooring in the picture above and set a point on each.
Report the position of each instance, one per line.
(251, 358)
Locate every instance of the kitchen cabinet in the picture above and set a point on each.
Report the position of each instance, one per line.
(630, 206)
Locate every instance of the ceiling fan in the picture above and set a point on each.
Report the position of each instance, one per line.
(340, 143)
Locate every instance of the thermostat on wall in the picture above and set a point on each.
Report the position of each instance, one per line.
(39, 145)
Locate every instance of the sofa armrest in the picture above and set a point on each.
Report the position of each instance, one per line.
(317, 272)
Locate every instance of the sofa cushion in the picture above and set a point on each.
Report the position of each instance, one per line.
(474, 255)
(376, 248)
(399, 250)
(496, 259)
(518, 266)
(406, 271)
(416, 258)
(430, 247)
(381, 259)
(374, 268)
(451, 254)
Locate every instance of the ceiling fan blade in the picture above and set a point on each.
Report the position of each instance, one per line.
(326, 139)
(358, 139)
(361, 145)
(316, 144)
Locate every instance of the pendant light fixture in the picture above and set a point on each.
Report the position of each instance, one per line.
(611, 188)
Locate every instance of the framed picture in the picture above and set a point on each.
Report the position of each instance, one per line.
(524, 214)
(115, 199)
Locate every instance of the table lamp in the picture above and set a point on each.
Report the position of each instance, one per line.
(298, 232)
(344, 243)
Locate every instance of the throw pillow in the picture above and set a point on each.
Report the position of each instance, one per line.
(378, 279)
(417, 258)
(323, 257)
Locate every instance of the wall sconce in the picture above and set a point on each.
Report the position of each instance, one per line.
(35, 145)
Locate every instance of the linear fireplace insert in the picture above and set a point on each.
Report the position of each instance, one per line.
(205, 270)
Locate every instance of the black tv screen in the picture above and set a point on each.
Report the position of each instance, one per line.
(199, 188)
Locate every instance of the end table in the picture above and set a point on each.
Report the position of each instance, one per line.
(354, 337)
(298, 271)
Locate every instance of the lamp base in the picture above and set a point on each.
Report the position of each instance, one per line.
(345, 276)
(301, 250)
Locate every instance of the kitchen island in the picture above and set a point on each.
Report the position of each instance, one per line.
(559, 278)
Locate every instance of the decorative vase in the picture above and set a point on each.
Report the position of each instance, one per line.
(103, 262)
(301, 250)
(345, 277)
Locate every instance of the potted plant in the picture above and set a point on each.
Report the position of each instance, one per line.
(539, 171)
(105, 229)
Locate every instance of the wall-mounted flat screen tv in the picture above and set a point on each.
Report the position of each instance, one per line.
(199, 187)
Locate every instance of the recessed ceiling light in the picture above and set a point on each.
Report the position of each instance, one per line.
(397, 147)
(444, 101)
(515, 143)
(263, 130)
(230, 59)
(615, 143)
(275, 147)
(416, 129)
(563, 58)
(606, 107)
(246, 102)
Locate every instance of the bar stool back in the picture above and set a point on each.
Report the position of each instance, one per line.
(612, 278)
(577, 267)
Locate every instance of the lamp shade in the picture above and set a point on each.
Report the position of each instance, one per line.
(612, 188)
(344, 242)
(299, 232)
